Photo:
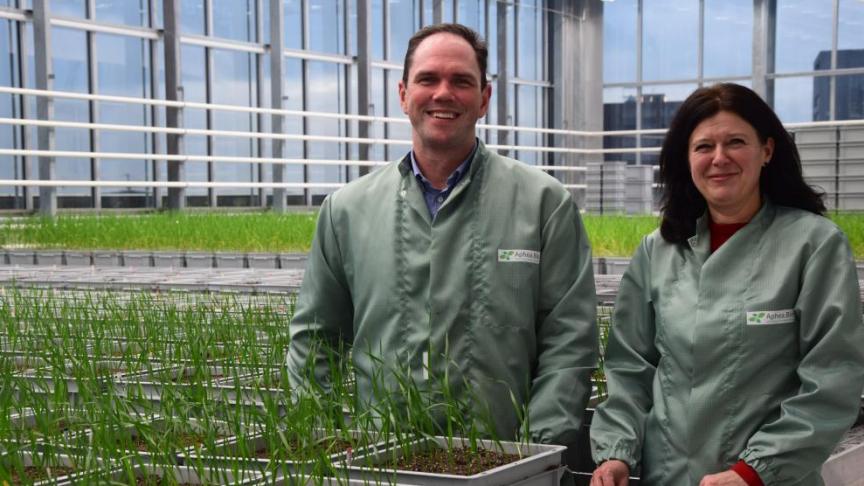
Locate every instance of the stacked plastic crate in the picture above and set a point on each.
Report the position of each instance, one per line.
(606, 187)
(639, 194)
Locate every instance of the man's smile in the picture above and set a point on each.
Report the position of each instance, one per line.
(444, 115)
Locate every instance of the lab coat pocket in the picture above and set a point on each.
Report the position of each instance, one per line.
(519, 276)
(772, 332)
(517, 273)
(514, 291)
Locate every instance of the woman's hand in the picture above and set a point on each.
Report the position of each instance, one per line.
(727, 478)
(611, 473)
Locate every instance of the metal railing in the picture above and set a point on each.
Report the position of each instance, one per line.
(847, 150)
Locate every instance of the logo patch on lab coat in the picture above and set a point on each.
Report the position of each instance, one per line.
(764, 318)
(512, 256)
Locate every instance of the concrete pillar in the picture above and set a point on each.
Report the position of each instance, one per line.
(277, 95)
(577, 78)
(364, 75)
(173, 115)
(764, 34)
(44, 105)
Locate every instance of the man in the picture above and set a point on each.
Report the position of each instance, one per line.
(456, 257)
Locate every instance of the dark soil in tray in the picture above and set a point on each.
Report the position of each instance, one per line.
(180, 441)
(853, 438)
(71, 425)
(153, 480)
(197, 378)
(138, 443)
(463, 462)
(297, 453)
(33, 474)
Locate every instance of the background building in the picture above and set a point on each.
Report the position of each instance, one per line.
(586, 65)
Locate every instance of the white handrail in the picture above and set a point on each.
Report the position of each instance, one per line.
(189, 184)
(560, 148)
(311, 138)
(343, 116)
(299, 113)
(269, 111)
(226, 158)
(203, 132)
(187, 158)
(171, 184)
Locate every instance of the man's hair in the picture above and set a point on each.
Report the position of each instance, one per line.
(481, 50)
(781, 180)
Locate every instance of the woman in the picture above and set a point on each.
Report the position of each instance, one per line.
(737, 351)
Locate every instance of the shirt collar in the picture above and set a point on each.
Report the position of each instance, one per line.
(454, 177)
(703, 232)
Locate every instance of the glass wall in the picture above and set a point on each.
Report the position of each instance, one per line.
(70, 66)
(224, 60)
(122, 69)
(655, 52)
(11, 167)
(530, 64)
(725, 55)
(232, 82)
(193, 77)
(127, 12)
(670, 53)
(646, 77)
(620, 24)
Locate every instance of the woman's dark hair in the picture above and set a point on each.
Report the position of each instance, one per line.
(781, 180)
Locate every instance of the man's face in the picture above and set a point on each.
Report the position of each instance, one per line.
(443, 98)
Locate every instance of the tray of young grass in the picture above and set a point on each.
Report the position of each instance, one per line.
(291, 453)
(443, 455)
(42, 468)
(157, 439)
(195, 381)
(53, 426)
(167, 475)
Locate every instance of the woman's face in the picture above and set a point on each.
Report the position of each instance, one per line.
(726, 159)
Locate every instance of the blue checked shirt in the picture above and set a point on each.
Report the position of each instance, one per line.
(435, 197)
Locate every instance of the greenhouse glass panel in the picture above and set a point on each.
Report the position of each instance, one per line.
(233, 82)
(234, 20)
(794, 99)
(404, 21)
(293, 100)
(803, 35)
(128, 12)
(659, 105)
(619, 41)
(851, 25)
(10, 166)
(472, 14)
(396, 131)
(70, 74)
(192, 17)
(619, 113)
(122, 64)
(529, 110)
(195, 89)
(531, 44)
(327, 26)
(68, 8)
(728, 38)
(325, 92)
(669, 39)
(849, 102)
(293, 24)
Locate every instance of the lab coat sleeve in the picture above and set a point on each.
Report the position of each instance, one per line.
(565, 328)
(323, 317)
(831, 370)
(631, 358)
